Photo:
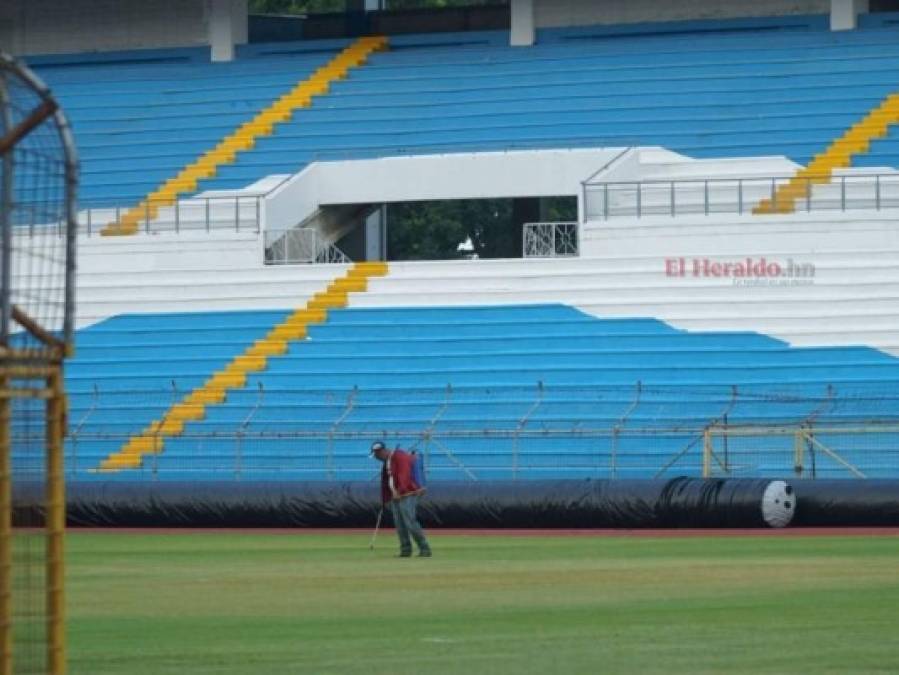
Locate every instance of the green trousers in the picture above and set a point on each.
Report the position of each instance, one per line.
(407, 525)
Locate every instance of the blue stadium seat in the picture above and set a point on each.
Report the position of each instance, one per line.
(728, 89)
(366, 371)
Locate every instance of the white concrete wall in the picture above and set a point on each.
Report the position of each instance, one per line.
(554, 13)
(524, 173)
(63, 26)
(187, 273)
(853, 298)
(721, 234)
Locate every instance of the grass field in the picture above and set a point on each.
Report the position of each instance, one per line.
(273, 603)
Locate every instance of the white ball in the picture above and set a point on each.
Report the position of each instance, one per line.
(778, 503)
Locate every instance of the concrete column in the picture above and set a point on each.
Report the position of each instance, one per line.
(376, 235)
(524, 210)
(239, 19)
(523, 33)
(844, 13)
(221, 30)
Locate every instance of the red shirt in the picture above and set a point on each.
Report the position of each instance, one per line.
(396, 476)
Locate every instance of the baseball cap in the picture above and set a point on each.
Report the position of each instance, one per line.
(377, 445)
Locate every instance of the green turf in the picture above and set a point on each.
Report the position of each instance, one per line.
(257, 603)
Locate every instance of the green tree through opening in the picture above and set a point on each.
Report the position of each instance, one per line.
(435, 230)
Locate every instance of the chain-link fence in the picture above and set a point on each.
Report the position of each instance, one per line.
(503, 432)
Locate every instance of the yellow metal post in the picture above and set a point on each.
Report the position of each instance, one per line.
(5, 530)
(707, 453)
(56, 523)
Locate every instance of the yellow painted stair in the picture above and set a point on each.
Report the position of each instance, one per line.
(234, 375)
(244, 137)
(856, 140)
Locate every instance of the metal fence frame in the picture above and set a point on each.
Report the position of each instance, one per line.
(94, 219)
(698, 441)
(551, 240)
(805, 442)
(300, 245)
(875, 184)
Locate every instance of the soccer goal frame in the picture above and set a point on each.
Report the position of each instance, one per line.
(38, 179)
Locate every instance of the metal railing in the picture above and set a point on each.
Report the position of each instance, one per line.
(300, 245)
(239, 213)
(738, 195)
(550, 240)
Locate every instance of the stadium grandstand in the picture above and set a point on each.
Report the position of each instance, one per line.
(239, 315)
(623, 269)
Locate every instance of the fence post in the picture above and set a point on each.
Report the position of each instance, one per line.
(95, 400)
(673, 205)
(877, 192)
(797, 452)
(207, 214)
(157, 440)
(156, 448)
(350, 404)
(707, 452)
(237, 214)
(724, 442)
(605, 201)
(740, 196)
(639, 200)
(238, 454)
(55, 522)
(6, 532)
(774, 193)
(89, 212)
(613, 458)
(177, 215)
(522, 423)
(147, 218)
(843, 193)
(705, 196)
(258, 216)
(808, 195)
(242, 432)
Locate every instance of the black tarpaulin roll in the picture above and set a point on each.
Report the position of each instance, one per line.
(723, 502)
(849, 502)
(679, 502)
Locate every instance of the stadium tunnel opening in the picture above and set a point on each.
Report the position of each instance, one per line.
(443, 229)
